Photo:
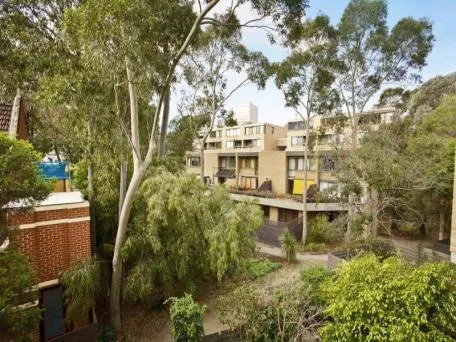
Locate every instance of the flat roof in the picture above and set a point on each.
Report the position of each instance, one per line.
(54, 198)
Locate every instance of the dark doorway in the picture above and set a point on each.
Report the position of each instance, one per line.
(53, 315)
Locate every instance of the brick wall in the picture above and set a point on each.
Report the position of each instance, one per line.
(53, 246)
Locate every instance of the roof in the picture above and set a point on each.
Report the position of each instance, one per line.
(5, 116)
(54, 198)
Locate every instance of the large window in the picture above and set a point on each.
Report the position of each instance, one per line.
(227, 163)
(193, 162)
(230, 144)
(248, 163)
(329, 139)
(233, 132)
(251, 143)
(254, 130)
(298, 141)
(297, 164)
(216, 134)
(249, 182)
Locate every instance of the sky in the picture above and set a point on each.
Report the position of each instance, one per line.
(269, 101)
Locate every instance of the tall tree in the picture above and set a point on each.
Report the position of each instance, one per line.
(372, 55)
(305, 78)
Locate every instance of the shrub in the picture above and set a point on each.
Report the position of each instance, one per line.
(381, 249)
(187, 319)
(311, 280)
(81, 287)
(284, 313)
(318, 227)
(289, 246)
(371, 300)
(16, 288)
(257, 268)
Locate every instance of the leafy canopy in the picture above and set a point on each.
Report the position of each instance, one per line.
(370, 300)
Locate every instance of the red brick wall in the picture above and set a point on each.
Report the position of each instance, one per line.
(52, 248)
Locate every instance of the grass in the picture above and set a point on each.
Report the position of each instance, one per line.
(257, 268)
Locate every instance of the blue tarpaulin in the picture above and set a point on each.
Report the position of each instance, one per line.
(54, 170)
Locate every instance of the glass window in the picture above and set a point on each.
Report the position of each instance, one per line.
(291, 164)
(297, 141)
(300, 164)
(230, 144)
(232, 132)
(254, 130)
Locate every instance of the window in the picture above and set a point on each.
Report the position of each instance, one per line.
(297, 141)
(297, 163)
(251, 143)
(254, 130)
(193, 162)
(216, 134)
(296, 125)
(329, 139)
(232, 132)
(227, 163)
(230, 144)
(249, 182)
(248, 163)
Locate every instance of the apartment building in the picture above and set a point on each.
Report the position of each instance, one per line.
(270, 159)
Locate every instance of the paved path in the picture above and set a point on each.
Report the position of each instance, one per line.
(305, 258)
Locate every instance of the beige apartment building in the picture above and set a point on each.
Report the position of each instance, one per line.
(270, 159)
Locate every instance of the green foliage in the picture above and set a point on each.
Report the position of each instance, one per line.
(289, 246)
(282, 313)
(82, 285)
(400, 52)
(312, 280)
(390, 301)
(257, 268)
(183, 233)
(16, 280)
(318, 227)
(106, 333)
(28, 184)
(380, 248)
(187, 319)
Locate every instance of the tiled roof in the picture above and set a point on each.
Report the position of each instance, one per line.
(5, 116)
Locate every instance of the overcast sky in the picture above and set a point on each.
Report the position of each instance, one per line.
(270, 102)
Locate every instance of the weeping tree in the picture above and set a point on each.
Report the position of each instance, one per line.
(127, 39)
(207, 66)
(183, 233)
(305, 79)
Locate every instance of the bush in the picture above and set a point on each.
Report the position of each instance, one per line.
(381, 249)
(257, 268)
(289, 246)
(371, 300)
(106, 333)
(82, 283)
(311, 280)
(187, 319)
(318, 227)
(284, 313)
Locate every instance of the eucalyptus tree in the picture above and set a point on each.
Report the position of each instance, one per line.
(372, 55)
(127, 39)
(305, 79)
(207, 66)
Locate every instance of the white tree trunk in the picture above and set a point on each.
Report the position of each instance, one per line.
(304, 196)
(164, 125)
(123, 184)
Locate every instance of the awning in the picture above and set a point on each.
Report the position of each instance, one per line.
(298, 186)
(225, 173)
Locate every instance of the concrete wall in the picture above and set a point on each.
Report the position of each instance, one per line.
(273, 166)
